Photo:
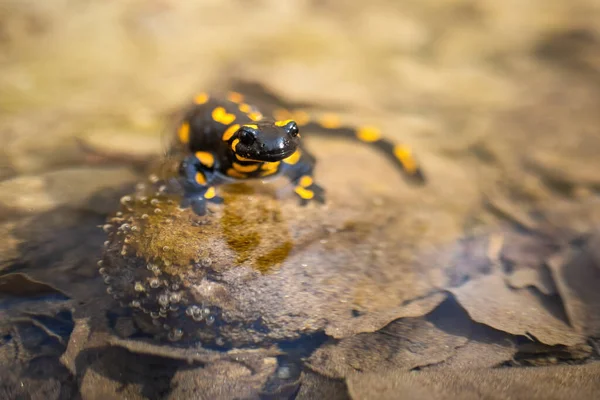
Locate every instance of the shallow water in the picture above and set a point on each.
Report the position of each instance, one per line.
(441, 291)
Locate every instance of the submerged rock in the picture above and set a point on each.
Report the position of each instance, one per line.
(176, 268)
(260, 269)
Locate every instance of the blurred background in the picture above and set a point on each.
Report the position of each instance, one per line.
(510, 84)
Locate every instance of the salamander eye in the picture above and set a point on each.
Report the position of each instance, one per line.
(292, 129)
(246, 137)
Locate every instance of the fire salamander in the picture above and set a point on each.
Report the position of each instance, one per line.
(227, 139)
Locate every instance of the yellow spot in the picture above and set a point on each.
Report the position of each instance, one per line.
(270, 165)
(302, 118)
(245, 168)
(251, 126)
(234, 143)
(240, 158)
(268, 172)
(210, 193)
(281, 114)
(270, 168)
(184, 133)
(255, 116)
(330, 121)
(283, 122)
(293, 159)
(306, 181)
(220, 115)
(235, 97)
(304, 193)
(230, 131)
(404, 155)
(200, 178)
(235, 174)
(245, 108)
(205, 158)
(202, 98)
(368, 134)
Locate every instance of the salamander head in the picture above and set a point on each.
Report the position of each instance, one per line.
(266, 141)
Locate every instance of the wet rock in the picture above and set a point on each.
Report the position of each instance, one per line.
(538, 278)
(405, 344)
(577, 275)
(315, 386)
(538, 354)
(222, 380)
(261, 269)
(486, 347)
(518, 312)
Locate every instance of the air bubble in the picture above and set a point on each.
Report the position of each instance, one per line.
(109, 290)
(154, 315)
(163, 300)
(138, 287)
(195, 312)
(154, 202)
(190, 310)
(157, 211)
(106, 243)
(102, 271)
(135, 304)
(197, 317)
(125, 199)
(107, 279)
(210, 320)
(145, 216)
(154, 283)
(175, 297)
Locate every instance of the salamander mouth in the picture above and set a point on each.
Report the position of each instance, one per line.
(279, 155)
(270, 156)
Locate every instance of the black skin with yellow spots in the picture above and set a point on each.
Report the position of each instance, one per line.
(230, 140)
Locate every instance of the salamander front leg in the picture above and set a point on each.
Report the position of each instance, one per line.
(299, 169)
(196, 182)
